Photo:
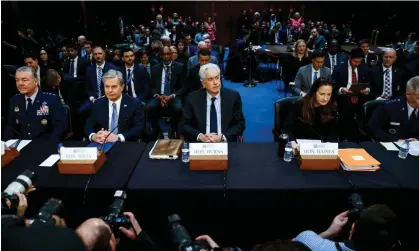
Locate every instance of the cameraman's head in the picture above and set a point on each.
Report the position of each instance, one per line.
(376, 229)
(97, 235)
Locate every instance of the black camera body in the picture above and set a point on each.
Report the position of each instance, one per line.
(44, 216)
(20, 185)
(356, 205)
(181, 238)
(115, 219)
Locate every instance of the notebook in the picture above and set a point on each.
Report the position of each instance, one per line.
(357, 160)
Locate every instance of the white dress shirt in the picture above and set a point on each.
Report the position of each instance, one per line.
(33, 97)
(349, 77)
(118, 107)
(331, 61)
(132, 80)
(38, 74)
(97, 72)
(384, 80)
(410, 111)
(217, 104)
(74, 65)
(312, 74)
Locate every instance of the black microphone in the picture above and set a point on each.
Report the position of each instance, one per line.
(16, 144)
(104, 141)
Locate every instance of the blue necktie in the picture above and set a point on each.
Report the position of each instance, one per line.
(315, 76)
(129, 79)
(83, 52)
(166, 80)
(213, 117)
(99, 82)
(72, 68)
(114, 120)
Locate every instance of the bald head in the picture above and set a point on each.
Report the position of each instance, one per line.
(96, 235)
(202, 45)
(389, 57)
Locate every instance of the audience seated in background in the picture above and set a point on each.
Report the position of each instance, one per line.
(315, 115)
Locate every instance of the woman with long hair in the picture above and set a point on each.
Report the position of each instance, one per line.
(291, 63)
(315, 115)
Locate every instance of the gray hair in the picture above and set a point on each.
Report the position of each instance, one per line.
(413, 84)
(207, 67)
(114, 74)
(164, 38)
(27, 69)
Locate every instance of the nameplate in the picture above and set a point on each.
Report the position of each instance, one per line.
(78, 153)
(208, 149)
(319, 149)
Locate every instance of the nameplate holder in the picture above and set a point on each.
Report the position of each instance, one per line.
(8, 156)
(208, 156)
(80, 160)
(319, 156)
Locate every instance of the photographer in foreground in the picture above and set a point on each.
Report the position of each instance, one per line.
(375, 230)
(97, 235)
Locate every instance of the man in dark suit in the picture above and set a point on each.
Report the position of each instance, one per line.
(193, 80)
(34, 114)
(31, 60)
(117, 116)
(212, 114)
(350, 104)
(193, 60)
(167, 88)
(306, 75)
(316, 41)
(135, 75)
(333, 56)
(189, 48)
(369, 59)
(76, 66)
(88, 46)
(398, 119)
(95, 72)
(386, 80)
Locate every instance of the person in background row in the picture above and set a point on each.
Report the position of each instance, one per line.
(398, 119)
(76, 65)
(315, 115)
(308, 74)
(33, 113)
(88, 46)
(316, 40)
(369, 58)
(117, 116)
(31, 60)
(194, 59)
(333, 56)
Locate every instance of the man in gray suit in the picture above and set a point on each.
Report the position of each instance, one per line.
(306, 75)
(195, 59)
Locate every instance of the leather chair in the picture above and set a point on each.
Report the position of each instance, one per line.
(282, 108)
(367, 111)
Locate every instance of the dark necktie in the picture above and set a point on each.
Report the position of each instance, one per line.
(387, 84)
(213, 117)
(333, 61)
(72, 67)
(413, 115)
(129, 79)
(354, 99)
(166, 80)
(30, 105)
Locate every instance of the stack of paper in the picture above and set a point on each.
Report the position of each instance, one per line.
(413, 147)
(357, 160)
(21, 143)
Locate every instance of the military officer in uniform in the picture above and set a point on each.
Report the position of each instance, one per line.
(33, 113)
(398, 119)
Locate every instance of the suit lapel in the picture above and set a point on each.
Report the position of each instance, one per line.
(158, 78)
(224, 114)
(380, 79)
(404, 116)
(105, 110)
(123, 112)
(309, 74)
(202, 111)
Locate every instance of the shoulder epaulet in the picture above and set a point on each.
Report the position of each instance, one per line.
(49, 93)
(393, 101)
(18, 94)
(102, 97)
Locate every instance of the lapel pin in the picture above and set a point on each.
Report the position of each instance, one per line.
(16, 109)
(125, 105)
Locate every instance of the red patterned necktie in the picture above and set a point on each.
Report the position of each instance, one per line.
(354, 99)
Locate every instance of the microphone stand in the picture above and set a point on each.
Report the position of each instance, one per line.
(104, 141)
(249, 82)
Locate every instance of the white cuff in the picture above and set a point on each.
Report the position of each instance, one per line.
(224, 138)
(121, 137)
(340, 90)
(197, 138)
(174, 95)
(91, 98)
(90, 136)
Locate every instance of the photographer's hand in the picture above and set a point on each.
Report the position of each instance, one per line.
(23, 204)
(59, 222)
(209, 240)
(133, 231)
(336, 226)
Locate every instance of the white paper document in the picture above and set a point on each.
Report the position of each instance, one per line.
(21, 145)
(413, 147)
(51, 160)
(301, 141)
(389, 146)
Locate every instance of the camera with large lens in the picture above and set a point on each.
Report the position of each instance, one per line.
(20, 185)
(181, 238)
(115, 219)
(44, 216)
(356, 206)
